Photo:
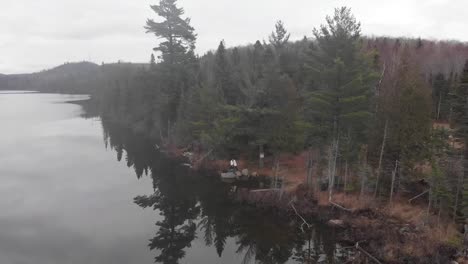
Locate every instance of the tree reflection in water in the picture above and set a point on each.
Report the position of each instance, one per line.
(200, 206)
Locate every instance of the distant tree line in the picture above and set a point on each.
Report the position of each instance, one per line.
(74, 78)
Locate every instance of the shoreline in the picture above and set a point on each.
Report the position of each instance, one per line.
(374, 233)
(375, 229)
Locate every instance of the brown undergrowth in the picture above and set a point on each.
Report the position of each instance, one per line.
(397, 233)
(394, 233)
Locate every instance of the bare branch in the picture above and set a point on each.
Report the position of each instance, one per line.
(302, 218)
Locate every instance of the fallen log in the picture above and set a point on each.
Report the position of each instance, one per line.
(265, 190)
(417, 196)
(336, 223)
(341, 207)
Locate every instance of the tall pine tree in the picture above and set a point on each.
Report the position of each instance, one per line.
(177, 35)
(177, 73)
(339, 98)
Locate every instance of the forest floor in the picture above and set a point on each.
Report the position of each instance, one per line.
(396, 233)
(399, 232)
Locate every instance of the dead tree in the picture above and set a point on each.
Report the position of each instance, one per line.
(261, 156)
(379, 169)
(394, 172)
(364, 170)
(346, 177)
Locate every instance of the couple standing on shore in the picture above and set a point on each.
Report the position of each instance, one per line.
(233, 165)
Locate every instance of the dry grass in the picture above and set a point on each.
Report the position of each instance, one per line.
(350, 201)
(407, 212)
(440, 230)
(384, 224)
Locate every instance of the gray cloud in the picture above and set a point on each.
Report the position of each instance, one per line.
(43, 33)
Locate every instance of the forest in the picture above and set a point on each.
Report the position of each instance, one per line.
(375, 114)
(377, 118)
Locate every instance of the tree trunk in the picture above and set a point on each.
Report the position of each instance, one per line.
(330, 167)
(363, 181)
(310, 166)
(276, 170)
(450, 115)
(393, 181)
(438, 106)
(429, 204)
(440, 211)
(169, 130)
(316, 179)
(333, 170)
(363, 173)
(459, 184)
(378, 86)
(465, 176)
(379, 169)
(346, 177)
(260, 157)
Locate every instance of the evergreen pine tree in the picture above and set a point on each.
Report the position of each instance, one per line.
(152, 62)
(257, 61)
(177, 34)
(339, 99)
(280, 36)
(178, 60)
(223, 75)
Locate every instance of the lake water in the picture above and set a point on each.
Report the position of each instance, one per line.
(77, 190)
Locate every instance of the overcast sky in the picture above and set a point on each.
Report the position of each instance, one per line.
(40, 34)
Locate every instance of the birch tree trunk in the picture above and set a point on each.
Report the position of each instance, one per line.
(459, 184)
(346, 177)
(394, 172)
(363, 173)
(330, 167)
(379, 169)
(333, 170)
(310, 166)
(363, 181)
(276, 170)
(260, 157)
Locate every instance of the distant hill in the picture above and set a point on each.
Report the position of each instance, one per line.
(79, 77)
(72, 68)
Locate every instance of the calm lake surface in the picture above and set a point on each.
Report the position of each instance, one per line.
(84, 191)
